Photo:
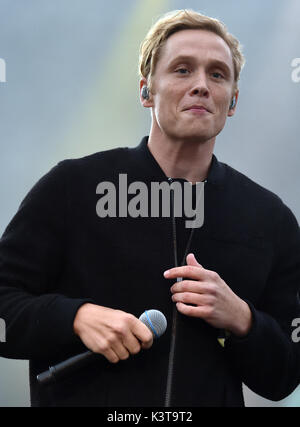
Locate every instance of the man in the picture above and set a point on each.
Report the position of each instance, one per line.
(72, 278)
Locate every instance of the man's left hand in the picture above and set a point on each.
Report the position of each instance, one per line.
(211, 298)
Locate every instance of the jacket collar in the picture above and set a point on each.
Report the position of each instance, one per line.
(147, 165)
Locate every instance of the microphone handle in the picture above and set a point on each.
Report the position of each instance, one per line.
(66, 367)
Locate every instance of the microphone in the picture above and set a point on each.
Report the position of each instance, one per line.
(153, 319)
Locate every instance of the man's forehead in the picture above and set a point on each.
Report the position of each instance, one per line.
(185, 42)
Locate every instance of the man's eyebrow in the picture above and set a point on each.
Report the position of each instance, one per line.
(181, 58)
(213, 62)
(221, 64)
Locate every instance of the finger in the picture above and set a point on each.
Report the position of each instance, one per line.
(120, 350)
(101, 346)
(188, 271)
(190, 286)
(147, 345)
(132, 344)
(202, 312)
(192, 298)
(142, 333)
(191, 260)
(110, 355)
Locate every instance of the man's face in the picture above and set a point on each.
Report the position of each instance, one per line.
(195, 70)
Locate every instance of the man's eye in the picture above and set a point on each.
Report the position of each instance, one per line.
(182, 70)
(217, 75)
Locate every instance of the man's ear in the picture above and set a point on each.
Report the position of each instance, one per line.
(233, 104)
(145, 94)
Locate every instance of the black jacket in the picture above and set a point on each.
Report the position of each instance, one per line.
(57, 253)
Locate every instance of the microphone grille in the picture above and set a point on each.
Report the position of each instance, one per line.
(156, 322)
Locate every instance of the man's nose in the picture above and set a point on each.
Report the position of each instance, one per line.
(200, 86)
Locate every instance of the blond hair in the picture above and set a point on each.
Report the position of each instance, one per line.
(179, 20)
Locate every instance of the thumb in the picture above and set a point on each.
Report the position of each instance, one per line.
(191, 260)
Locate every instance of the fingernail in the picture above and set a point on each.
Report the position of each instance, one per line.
(167, 272)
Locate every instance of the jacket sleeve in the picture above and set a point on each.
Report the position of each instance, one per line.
(38, 319)
(268, 358)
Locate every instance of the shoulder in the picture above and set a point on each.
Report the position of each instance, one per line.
(255, 199)
(107, 159)
(245, 187)
(76, 171)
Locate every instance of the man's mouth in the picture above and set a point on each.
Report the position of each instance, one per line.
(200, 109)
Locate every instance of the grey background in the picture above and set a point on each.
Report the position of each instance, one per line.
(72, 89)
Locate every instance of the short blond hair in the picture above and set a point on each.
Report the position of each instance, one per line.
(179, 20)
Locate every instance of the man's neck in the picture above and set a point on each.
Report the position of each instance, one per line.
(189, 160)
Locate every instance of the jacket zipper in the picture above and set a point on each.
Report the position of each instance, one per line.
(174, 314)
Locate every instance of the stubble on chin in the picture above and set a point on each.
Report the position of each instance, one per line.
(192, 135)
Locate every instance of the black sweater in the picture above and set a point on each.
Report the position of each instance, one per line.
(57, 253)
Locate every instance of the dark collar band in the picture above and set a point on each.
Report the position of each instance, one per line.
(147, 165)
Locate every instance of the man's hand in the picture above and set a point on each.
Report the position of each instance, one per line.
(112, 333)
(211, 298)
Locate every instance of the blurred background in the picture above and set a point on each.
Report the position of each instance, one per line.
(69, 87)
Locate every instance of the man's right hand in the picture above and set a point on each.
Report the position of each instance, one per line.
(113, 333)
